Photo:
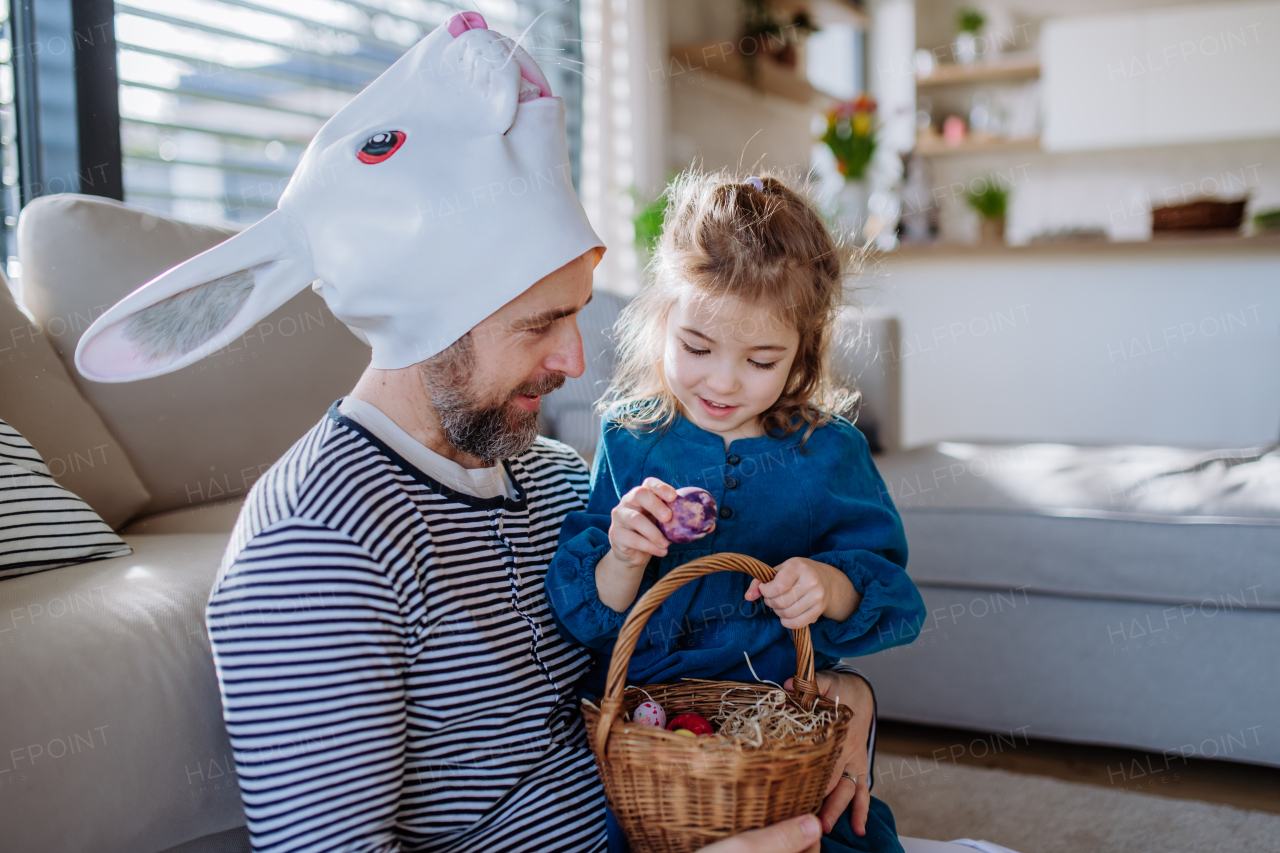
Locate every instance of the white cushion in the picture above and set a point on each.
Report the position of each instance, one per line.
(42, 525)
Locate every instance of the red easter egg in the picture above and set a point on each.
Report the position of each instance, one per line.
(691, 723)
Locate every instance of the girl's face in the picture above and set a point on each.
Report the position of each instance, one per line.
(727, 361)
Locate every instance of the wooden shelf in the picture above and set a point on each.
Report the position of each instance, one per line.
(827, 12)
(934, 146)
(981, 72)
(1192, 242)
(729, 64)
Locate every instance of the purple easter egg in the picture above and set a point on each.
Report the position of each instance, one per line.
(693, 515)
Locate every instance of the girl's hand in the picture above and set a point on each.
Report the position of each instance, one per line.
(634, 537)
(633, 533)
(804, 590)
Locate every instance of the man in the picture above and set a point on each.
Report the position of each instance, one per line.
(391, 676)
(391, 673)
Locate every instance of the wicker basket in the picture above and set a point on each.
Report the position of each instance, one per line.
(1203, 215)
(676, 794)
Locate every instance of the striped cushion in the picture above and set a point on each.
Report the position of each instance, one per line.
(42, 525)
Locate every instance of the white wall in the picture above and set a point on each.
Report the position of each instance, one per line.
(721, 124)
(1146, 346)
(1161, 77)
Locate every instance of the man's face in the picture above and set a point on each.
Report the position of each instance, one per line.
(488, 386)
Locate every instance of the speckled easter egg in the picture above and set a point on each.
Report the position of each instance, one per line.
(650, 714)
(693, 515)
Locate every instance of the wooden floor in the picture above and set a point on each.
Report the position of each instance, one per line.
(1245, 786)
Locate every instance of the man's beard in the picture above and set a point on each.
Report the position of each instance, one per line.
(487, 432)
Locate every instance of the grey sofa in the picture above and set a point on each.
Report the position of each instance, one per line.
(1112, 595)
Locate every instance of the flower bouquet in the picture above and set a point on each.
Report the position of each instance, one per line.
(851, 135)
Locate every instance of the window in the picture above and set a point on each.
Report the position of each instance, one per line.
(9, 197)
(217, 99)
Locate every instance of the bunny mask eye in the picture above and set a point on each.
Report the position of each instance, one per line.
(381, 146)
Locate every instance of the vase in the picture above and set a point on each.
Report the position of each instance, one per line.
(993, 230)
(967, 48)
(851, 206)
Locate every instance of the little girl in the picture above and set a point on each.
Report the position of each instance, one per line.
(723, 383)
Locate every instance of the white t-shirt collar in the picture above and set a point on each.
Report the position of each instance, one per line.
(489, 482)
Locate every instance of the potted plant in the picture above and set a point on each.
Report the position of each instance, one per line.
(991, 203)
(851, 136)
(969, 22)
(648, 221)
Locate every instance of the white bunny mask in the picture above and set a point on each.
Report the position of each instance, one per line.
(437, 195)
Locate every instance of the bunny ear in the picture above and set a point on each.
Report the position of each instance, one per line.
(199, 306)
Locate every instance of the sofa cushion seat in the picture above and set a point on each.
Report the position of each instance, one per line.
(214, 517)
(110, 705)
(1159, 524)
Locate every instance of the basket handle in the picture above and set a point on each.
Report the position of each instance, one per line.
(629, 634)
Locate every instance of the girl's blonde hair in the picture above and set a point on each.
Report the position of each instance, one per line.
(767, 247)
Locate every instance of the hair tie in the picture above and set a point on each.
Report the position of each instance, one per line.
(756, 182)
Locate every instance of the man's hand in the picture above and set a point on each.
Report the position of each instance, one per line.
(805, 589)
(855, 693)
(790, 836)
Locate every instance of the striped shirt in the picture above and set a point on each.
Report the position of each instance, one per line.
(391, 675)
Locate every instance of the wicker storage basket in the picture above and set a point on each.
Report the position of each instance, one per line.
(1203, 215)
(676, 794)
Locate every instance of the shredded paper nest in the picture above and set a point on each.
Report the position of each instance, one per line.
(771, 718)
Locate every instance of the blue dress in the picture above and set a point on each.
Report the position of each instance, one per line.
(827, 502)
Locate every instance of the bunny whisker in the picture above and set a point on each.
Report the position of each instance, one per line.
(519, 41)
(575, 71)
(564, 59)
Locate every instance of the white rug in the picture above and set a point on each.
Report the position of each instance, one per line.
(1033, 814)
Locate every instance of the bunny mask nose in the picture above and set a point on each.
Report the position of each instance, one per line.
(464, 21)
(533, 83)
